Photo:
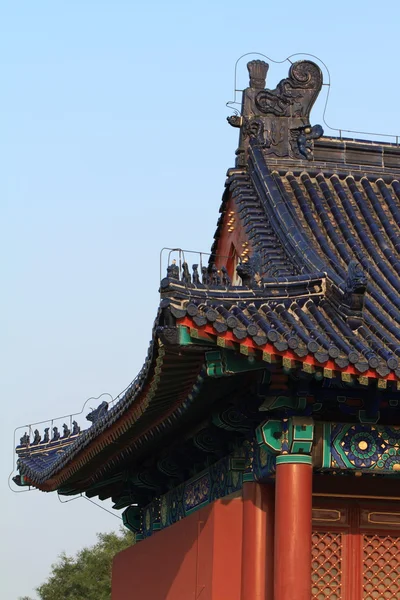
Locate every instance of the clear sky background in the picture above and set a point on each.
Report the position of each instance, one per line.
(113, 144)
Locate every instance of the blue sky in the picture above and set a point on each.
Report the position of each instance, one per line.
(113, 144)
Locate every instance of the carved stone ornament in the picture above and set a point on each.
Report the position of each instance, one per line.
(235, 120)
(168, 335)
(258, 70)
(357, 280)
(254, 129)
(98, 413)
(250, 271)
(37, 438)
(278, 120)
(303, 139)
(295, 95)
(354, 295)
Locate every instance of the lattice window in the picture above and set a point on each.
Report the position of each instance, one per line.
(381, 564)
(326, 573)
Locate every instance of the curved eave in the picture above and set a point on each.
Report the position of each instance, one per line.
(151, 406)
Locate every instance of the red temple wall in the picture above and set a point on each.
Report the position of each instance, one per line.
(355, 550)
(199, 556)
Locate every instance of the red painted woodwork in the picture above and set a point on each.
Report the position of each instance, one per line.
(198, 557)
(258, 542)
(225, 551)
(207, 332)
(293, 504)
(355, 550)
(356, 487)
(231, 244)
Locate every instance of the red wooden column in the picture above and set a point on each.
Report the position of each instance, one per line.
(293, 516)
(257, 542)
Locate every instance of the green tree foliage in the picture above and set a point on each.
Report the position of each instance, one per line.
(86, 576)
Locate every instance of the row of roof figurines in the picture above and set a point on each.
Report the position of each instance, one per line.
(37, 439)
(248, 271)
(250, 274)
(67, 433)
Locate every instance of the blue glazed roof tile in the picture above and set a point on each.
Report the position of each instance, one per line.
(328, 237)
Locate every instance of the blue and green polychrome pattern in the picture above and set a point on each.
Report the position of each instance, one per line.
(287, 436)
(263, 463)
(279, 441)
(370, 448)
(347, 448)
(221, 479)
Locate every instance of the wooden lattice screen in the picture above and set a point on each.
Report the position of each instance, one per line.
(355, 552)
(326, 565)
(381, 558)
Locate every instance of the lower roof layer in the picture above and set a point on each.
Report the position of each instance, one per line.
(326, 295)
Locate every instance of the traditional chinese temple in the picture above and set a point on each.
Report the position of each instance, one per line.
(256, 455)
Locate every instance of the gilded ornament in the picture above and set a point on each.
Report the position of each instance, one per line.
(148, 519)
(263, 456)
(164, 511)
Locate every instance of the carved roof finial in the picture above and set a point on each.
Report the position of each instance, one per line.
(258, 70)
(278, 120)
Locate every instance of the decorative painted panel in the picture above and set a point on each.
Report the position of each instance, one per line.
(370, 448)
(329, 516)
(196, 493)
(263, 463)
(151, 518)
(378, 518)
(220, 479)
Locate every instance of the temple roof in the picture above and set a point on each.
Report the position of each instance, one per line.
(154, 392)
(319, 289)
(342, 226)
